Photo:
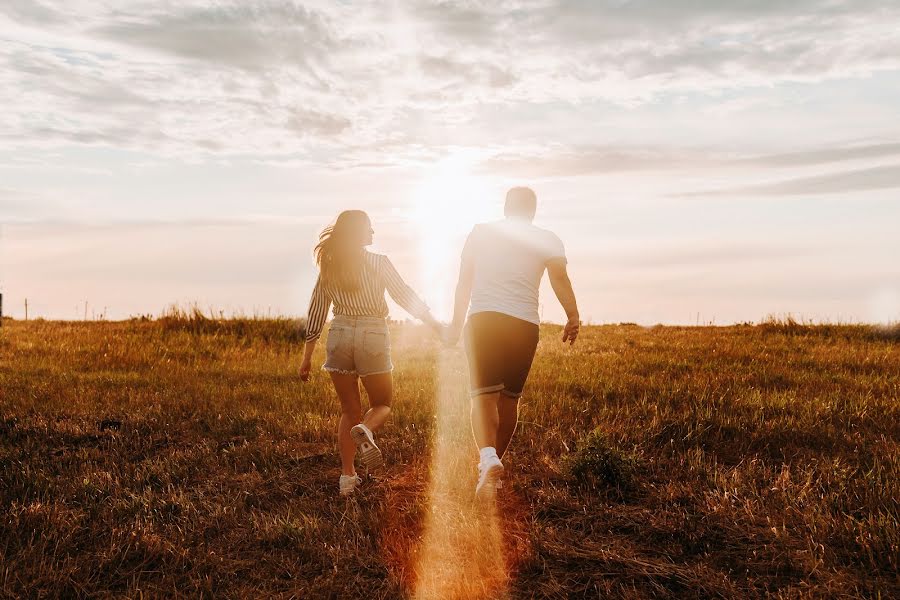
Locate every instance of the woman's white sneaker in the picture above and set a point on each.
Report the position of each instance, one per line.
(489, 473)
(349, 483)
(369, 454)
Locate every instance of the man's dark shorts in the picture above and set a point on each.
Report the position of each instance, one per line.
(500, 349)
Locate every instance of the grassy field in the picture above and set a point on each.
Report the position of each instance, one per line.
(183, 457)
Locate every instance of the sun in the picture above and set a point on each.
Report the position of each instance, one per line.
(445, 205)
(450, 199)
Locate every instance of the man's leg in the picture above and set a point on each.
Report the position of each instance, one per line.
(485, 422)
(520, 349)
(486, 381)
(485, 378)
(485, 419)
(508, 412)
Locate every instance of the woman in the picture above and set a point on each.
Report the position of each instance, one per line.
(358, 346)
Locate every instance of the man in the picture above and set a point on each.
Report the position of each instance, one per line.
(499, 278)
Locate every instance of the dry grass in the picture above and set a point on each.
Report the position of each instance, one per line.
(183, 457)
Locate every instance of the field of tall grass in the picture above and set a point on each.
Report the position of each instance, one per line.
(183, 457)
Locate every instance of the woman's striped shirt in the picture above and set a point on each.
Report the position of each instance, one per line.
(367, 301)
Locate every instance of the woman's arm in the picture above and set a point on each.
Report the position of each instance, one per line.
(319, 305)
(405, 296)
(306, 365)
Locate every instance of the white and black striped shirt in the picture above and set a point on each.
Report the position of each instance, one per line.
(367, 301)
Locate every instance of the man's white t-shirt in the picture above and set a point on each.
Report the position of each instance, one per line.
(509, 259)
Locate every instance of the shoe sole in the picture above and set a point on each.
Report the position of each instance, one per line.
(491, 481)
(369, 454)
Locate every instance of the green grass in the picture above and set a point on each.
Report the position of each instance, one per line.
(183, 457)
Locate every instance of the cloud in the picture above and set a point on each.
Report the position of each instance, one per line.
(584, 161)
(251, 35)
(21, 206)
(859, 180)
(448, 69)
(31, 12)
(634, 51)
(704, 254)
(174, 78)
(306, 121)
(599, 160)
(277, 78)
(824, 155)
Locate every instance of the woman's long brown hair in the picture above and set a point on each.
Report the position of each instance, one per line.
(339, 251)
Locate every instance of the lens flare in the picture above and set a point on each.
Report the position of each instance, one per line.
(462, 553)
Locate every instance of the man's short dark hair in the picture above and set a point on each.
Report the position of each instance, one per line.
(520, 202)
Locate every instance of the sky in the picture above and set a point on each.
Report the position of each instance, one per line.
(702, 161)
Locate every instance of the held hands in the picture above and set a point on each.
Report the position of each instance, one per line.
(437, 327)
(444, 332)
(570, 332)
(450, 336)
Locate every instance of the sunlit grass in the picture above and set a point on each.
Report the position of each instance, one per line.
(184, 457)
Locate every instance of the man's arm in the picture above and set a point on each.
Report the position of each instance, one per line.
(562, 287)
(463, 295)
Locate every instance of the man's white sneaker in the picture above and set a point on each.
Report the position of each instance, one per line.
(348, 484)
(369, 454)
(499, 483)
(489, 473)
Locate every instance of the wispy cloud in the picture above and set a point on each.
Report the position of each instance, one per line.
(273, 78)
(598, 160)
(254, 36)
(701, 254)
(23, 205)
(824, 155)
(859, 180)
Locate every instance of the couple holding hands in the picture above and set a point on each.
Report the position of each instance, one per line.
(500, 273)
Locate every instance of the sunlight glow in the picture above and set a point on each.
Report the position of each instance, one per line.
(445, 206)
(466, 552)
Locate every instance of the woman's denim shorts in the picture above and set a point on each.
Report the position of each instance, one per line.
(358, 346)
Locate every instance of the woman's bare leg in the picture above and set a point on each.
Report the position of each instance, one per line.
(347, 387)
(380, 389)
